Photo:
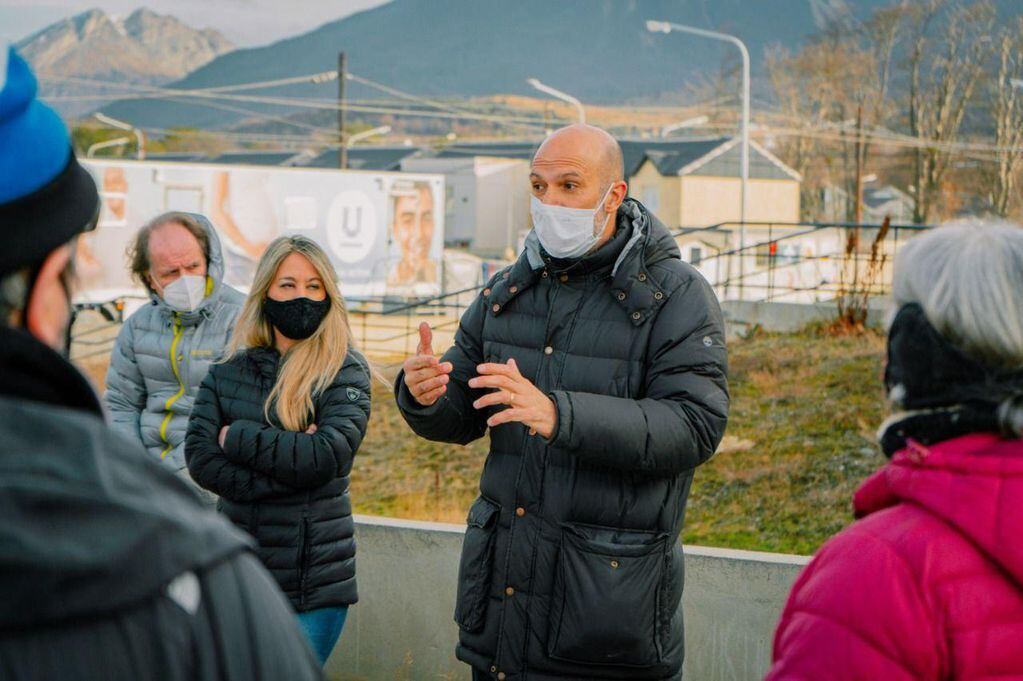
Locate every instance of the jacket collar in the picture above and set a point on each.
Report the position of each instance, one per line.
(33, 371)
(632, 285)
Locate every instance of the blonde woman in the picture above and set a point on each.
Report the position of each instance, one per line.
(276, 426)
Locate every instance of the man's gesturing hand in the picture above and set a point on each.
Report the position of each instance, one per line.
(426, 376)
(527, 404)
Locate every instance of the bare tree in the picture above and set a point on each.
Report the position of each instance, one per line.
(950, 44)
(839, 82)
(799, 103)
(869, 92)
(1008, 117)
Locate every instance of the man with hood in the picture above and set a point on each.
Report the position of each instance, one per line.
(165, 349)
(110, 568)
(598, 363)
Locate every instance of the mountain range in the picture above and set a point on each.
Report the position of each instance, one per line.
(144, 48)
(597, 50)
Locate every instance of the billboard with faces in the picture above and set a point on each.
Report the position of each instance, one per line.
(384, 232)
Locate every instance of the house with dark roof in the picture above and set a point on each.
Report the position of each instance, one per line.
(379, 158)
(375, 158)
(177, 156)
(697, 184)
(259, 158)
(692, 182)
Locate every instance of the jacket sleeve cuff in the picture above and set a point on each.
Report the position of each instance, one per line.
(562, 435)
(408, 405)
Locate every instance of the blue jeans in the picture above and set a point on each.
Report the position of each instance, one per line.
(323, 628)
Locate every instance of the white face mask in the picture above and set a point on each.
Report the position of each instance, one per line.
(567, 232)
(185, 293)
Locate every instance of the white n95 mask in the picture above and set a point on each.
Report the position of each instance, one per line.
(185, 293)
(567, 232)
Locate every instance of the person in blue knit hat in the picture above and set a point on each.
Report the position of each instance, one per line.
(110, 566)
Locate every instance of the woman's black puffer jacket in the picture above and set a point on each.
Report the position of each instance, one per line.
(288, 490)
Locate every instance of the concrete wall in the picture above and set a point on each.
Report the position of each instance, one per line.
(742, 315)
(402, 627)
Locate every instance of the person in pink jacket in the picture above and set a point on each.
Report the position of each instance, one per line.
(928, 582)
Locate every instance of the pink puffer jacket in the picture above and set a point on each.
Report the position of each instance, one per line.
(929, 585)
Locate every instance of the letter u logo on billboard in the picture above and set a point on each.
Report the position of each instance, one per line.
(351, 226)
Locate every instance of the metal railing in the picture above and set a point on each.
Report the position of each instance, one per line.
(386, 326)
(380, 325)
(389, 326)
(820, 266)
(96, 340)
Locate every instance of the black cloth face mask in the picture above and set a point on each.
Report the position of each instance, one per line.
(298, 318)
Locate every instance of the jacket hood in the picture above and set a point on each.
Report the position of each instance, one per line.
(214, 276)
(972, 483)
(91, 524)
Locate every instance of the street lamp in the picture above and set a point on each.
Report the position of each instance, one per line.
(358, 137)
(688, 123)
(559, 95)
(139, 137)
(668, 27)
(117, 142)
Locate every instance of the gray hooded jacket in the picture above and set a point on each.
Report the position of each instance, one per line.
(161, 357)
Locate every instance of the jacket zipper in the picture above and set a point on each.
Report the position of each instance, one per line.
(303, 567)
(181, 385)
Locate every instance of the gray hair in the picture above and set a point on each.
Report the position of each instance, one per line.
(968, 278)
(138, 249)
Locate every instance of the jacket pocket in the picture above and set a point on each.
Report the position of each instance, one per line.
(476, 565)
(606, 597)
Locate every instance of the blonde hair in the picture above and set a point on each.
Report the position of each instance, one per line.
(310, 365)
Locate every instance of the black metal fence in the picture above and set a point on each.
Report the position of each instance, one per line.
(822, 263)
(380, 325)
(796, 261)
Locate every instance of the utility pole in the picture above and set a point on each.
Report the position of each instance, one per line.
(858, 212)
(859, 147)
(342, 147)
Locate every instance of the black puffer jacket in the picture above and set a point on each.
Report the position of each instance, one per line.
(110, 566)
(288, 490)
(571, 566)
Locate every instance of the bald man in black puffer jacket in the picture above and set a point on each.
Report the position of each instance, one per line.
(601, 377)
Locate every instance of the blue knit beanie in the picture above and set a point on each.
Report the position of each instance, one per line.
(46, 198)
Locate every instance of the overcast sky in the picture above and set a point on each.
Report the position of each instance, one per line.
(246, 22)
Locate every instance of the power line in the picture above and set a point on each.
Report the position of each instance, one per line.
(152, 92)
(193, 96)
